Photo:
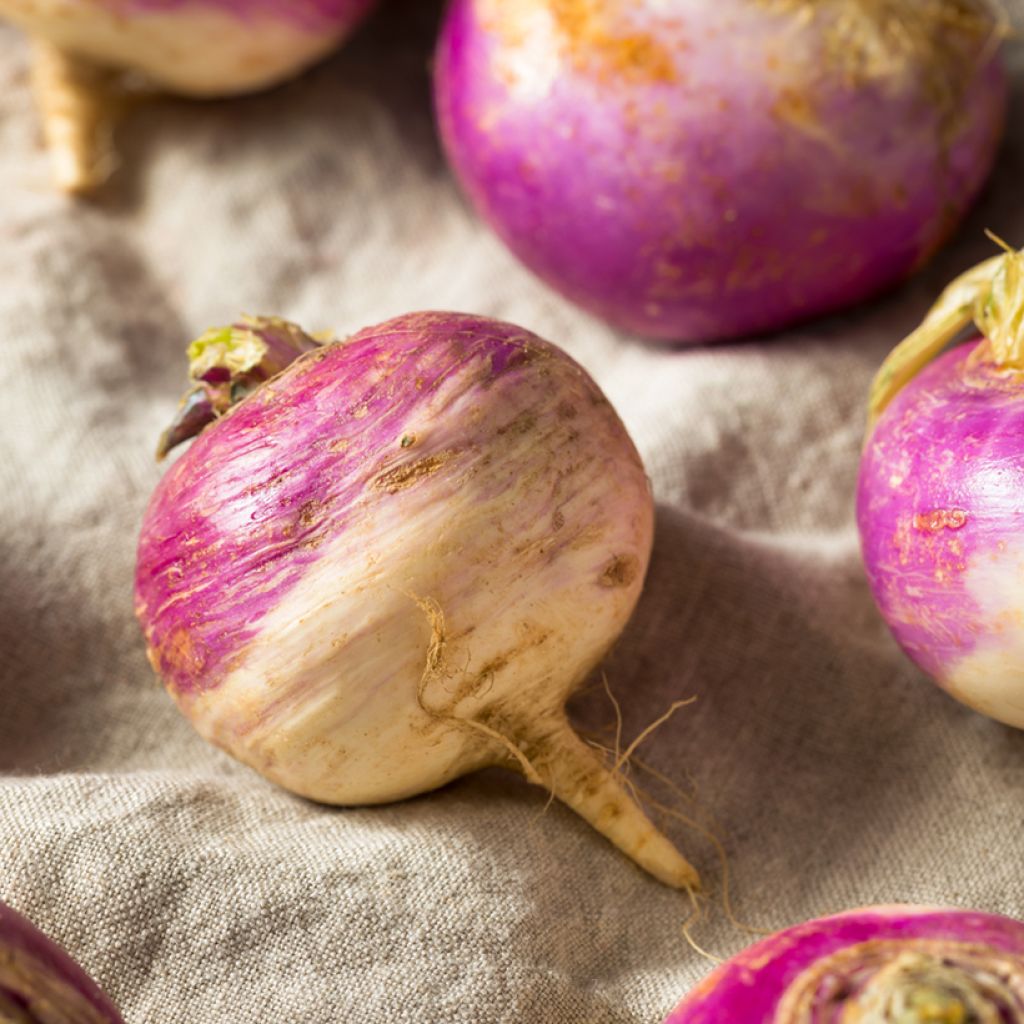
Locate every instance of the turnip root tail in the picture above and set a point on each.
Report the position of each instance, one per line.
(576, 774)
(76, 111)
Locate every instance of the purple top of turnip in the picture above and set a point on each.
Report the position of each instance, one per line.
(882, 965)
(297, 463)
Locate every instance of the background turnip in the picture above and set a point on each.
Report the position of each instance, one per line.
(693, 171)
(200, 48)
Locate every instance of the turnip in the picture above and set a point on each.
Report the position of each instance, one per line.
(692, 171)
(198, 48)
(941, 492)
(391, 564)
(881, 965)
(41, 984)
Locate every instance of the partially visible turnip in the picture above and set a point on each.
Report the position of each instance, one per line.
(940, 501)
(199, 48)
(391, 564)
(41, 984)
(699, 170)
(881, 965)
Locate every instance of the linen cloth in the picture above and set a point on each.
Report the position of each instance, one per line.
(195, 891)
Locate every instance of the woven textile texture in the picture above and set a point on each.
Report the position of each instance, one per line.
(194, 891)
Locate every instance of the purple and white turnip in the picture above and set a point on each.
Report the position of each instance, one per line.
(391, 563)
(696, 171)
(197, 48)
(940, 502)
(880, 965)
(41, 984)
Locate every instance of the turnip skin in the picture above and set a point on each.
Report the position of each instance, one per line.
(796, 976)
(940, 509)
(707, 171)
(390, 566)
(41, 984)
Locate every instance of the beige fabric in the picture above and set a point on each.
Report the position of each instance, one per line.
(197, 893)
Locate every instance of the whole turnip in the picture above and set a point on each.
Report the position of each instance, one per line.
(391, 563)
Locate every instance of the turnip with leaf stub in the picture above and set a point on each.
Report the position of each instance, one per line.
(692, 171)
(391, 564)
(41, 984)
(940, 501)
(880, 965)
(198, 48)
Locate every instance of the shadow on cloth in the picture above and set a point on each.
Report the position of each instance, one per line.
(92, 342)
(809, 720)
(73, 672)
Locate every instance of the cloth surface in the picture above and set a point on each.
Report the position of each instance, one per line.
(193, 890)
